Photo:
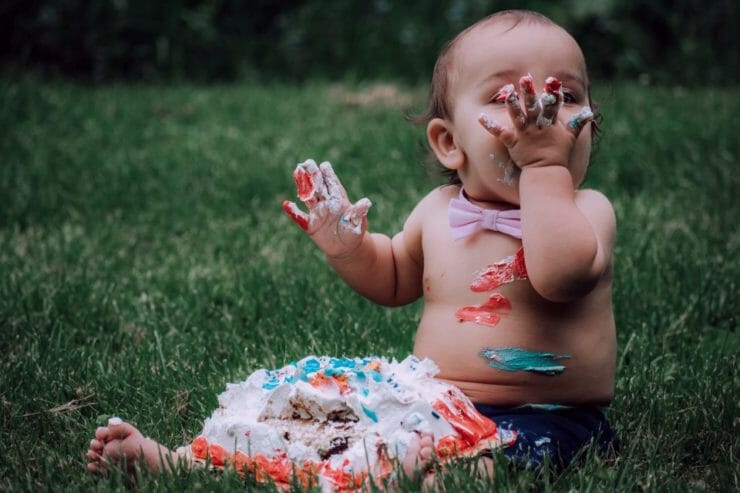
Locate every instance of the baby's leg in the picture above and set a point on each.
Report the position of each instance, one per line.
(122, 444)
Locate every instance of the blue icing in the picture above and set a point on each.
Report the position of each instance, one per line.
(290, 379)
(375, 375)
(520, 359)
(370, 414)
(271, 384)
(360, 375)
(333, 372)
(312, 365)
(342, 363)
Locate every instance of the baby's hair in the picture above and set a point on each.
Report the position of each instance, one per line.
(438, 103)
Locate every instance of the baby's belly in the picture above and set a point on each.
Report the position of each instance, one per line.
(521, 360)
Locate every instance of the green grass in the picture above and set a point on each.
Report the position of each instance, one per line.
(145, 262)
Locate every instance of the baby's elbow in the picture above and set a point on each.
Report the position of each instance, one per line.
(564, 290)
(568, 281)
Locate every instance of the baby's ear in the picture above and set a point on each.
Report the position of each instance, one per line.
(442, 140)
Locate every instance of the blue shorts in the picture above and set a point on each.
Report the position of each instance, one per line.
(558, 432)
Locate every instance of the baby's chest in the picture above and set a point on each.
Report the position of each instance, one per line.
(480, 263)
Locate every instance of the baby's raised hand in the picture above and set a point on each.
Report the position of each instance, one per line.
(538, 137)
(334, 224)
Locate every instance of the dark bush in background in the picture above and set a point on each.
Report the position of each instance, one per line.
(686, 41)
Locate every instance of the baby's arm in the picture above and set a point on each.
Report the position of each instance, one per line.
(386, 271)
(568, 235)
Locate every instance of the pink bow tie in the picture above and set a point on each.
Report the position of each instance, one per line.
(466, 218)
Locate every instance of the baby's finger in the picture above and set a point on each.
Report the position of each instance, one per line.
(531, 103)
(580, 120)
(310, 182)
(514, 106)
(335, 193)
(550, 102)
(298, 216)
(356, 215)
(505, 135)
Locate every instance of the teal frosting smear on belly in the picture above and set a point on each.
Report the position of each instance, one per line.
(520, 359)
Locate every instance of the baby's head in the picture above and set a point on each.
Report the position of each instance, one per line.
(495, 51)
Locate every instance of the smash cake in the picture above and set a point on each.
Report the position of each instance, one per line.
(337, 420)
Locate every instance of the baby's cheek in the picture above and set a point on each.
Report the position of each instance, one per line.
(506, 169)
(580, 157)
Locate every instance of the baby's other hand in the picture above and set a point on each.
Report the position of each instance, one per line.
(334, 224)
(538, 137)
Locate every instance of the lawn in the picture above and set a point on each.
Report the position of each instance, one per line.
(145, 262)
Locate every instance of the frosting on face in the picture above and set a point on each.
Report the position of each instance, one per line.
(339, 419)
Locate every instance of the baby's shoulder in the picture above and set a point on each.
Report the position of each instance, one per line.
(599, 211)
(431, 208)
(439, 198)
(594, 202)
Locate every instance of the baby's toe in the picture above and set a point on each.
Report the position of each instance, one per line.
(102, 434)
(96, 464)
(426, 447)
(120, 430)
(112, 451)
(419, 454)
(96, 446)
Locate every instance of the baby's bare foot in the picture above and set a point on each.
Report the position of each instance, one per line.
(121, 444)
(419, 455)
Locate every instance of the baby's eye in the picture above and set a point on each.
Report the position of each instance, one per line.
(568, 97)
(499, 97)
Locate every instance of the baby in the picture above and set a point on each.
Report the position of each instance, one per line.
(514, 261)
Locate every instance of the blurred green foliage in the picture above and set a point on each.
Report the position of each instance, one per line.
(663, 41)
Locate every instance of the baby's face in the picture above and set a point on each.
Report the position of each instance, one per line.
(490, 57)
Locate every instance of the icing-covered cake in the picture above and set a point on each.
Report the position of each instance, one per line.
(336, 420)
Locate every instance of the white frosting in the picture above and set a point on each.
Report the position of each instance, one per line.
(336, 411)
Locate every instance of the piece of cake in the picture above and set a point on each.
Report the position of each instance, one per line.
(336, 420)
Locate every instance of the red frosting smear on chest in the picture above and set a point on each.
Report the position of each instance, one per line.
(504, 271)
(486, 314)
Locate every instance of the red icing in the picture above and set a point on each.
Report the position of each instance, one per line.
(217, 454)
(504, 271)
(289, 209)
(305, 184)
(465, 419)
(528, 85)
(485, 314)
(202, 450)
(449, 446)
(200, 447)
(321, 380)
(552, 85)
(280, 469)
